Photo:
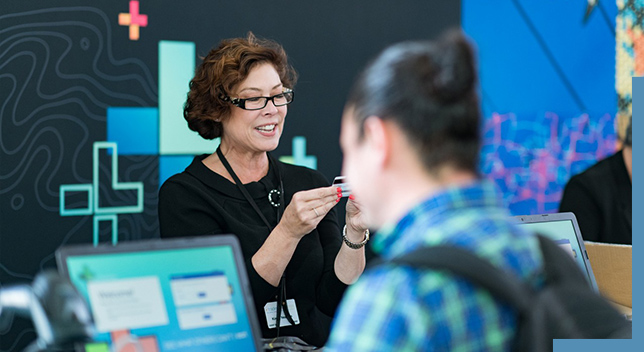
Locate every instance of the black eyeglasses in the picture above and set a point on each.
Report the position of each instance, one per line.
(257, 103)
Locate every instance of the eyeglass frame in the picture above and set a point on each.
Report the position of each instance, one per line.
(241, 102)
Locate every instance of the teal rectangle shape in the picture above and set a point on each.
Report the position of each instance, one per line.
(172, 164)
(134, 129)
(176, 69)
(88, 210)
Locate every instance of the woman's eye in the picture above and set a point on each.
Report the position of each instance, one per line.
(256, 99)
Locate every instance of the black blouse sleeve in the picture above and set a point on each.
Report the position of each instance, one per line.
(182, 213)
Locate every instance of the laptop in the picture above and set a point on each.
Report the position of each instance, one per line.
(564, 230)
(188, 294)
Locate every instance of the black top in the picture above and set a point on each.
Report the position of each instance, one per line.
(601, 199)
(199, 201)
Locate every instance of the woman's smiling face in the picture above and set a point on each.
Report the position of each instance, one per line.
(256, 130)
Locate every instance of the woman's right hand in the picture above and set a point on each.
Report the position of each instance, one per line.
(307, 209)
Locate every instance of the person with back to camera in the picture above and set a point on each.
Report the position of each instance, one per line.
(283, 214)
(410, 137)
(601, 197)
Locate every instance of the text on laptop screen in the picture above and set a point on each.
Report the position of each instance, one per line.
(563, 233)
(164, 300)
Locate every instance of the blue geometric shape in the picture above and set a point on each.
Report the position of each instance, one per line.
(107, 217)
(134, 129)
(176, 68)
(638, 205)
(117, 186)
(89, 210)
(299, 155)
(172, 164)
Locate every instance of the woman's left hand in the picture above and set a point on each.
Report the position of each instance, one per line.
(354, 217)
(350, 263)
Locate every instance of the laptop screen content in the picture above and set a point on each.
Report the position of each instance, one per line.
(562, 229)
(171, 299)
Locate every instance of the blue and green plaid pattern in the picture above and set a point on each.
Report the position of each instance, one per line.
(399, 308)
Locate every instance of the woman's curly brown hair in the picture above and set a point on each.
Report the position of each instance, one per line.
(221, 71)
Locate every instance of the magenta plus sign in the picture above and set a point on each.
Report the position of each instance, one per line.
(135, 17)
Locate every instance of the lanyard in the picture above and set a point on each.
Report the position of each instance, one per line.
(280, 210)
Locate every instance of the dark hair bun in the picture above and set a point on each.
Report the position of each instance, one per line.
(455, 74)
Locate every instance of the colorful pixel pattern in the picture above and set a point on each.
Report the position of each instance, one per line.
(531, 158)
(629, 50)
(549, 107)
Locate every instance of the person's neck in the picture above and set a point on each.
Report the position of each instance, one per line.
(248, 166)
(627, 153)
(409, 189)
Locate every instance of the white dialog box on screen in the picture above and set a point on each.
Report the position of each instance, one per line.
(200, 289)
(127, 303)
(211, 315)
(203, 300)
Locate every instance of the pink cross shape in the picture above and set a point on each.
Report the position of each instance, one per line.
(133, 19)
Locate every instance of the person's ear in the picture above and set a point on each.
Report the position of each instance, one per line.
(377, 138)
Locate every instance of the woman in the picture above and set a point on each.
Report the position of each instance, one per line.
(283, 214)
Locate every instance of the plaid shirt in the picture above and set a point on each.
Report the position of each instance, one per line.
(399, 308)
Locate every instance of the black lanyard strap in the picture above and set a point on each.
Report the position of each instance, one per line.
(282, 285)
(242, 189)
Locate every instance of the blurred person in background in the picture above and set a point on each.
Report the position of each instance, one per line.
(601, 197)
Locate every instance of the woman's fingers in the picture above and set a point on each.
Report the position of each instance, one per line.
(315, 203)
(330, 197)
(318, 196)
(327, 193)
(308, 208)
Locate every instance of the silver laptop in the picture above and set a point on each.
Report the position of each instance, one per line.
(188, 294)
(564, 230)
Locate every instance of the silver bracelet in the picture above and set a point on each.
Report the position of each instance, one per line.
(355, 245)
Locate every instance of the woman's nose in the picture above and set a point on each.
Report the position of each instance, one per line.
(270, 107)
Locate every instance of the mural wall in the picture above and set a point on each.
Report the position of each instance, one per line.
(548, 78)
(91, 97)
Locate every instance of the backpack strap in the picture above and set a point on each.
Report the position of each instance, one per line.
(565, 307)
(480, 272)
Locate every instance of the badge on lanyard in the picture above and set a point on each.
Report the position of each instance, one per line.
(270, 310)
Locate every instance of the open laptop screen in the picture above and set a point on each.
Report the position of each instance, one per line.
(563, 229)
(165, 295)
